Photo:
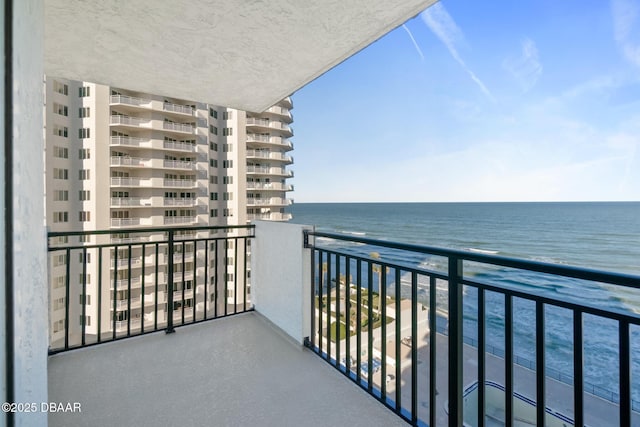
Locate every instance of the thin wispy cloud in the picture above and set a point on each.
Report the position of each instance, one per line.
(526, 69)
(444, 27)
(626, 29)
(415, 44)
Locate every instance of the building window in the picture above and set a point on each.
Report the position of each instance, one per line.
(86, 320)
(227, 164)
(60, 217)
(85, 299)
(213, 213)
(227, 131)
(85, 239)
(227, 115)
(58, 260)
(84, 216)
(60, 173)
(61, 131)
(58, 303)
(60, 109)
(227, 180)
(213, 146)
(82, 258)
(213, 196)
(84, 153)
(60, 195)
(60, 152)
(84, 174)
(213, 163)
(58, 326)
(227, 147)
(84, 91)
(60, 88)
(213, 129)
(229, 278)
(84, 195)
(84, 133)
(213, 179)
(83, 112)
(227, 212)
(227, 196)
(213, 113)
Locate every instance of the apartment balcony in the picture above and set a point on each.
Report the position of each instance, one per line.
(269, 216)
(179, 183)
(336, 315)
(269, 186)
(171, 201)
(255, 139)
(185, 110)
(118, 202)
(273, 201)
(129, 101)
(128, 141)
(169, 220)
(268, 170)
(283, 113)
(130, 182)
(258, 154)
(178, 127)
(267, 124)
(178, 146)
(129, 121)
(125, 222)
(134, 162)
(178, 164)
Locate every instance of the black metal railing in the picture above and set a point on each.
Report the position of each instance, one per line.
(392, 307)
(108, 285)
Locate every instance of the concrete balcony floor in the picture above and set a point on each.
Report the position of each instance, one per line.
(235, 371)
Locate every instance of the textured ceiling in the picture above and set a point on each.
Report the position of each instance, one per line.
(242, 54)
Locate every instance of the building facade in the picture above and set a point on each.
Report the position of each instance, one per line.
(119, 160)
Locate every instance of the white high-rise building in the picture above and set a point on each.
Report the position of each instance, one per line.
(119, 160)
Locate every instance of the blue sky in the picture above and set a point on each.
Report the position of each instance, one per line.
(533, 100)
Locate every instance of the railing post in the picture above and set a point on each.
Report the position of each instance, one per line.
(170, 284)
(455, 342)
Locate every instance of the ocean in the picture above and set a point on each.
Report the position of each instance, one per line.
(596, 235)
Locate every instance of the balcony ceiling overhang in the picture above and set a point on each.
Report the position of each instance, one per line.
(242, 54)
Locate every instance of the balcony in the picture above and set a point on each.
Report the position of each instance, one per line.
(388, 325)
(258, 139)
(268, 170)
(258, 154)
(178, 127)
(129, 202)
(125, 222)
(178, 164)
(172, 201)
(129, 161)
(129, 100)
(178, 108)
(273, 201)
(130, 121)
(181, 183)
(127, 141)
(178, 146)
(269, 124)
(274, 186)
(179, 219)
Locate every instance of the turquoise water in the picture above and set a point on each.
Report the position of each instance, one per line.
(603, 236)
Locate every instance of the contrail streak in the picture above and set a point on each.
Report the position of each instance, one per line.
(414, 41)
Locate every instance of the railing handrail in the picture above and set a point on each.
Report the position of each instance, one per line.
(575, 272)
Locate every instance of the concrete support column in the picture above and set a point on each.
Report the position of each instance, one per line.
(24, 256)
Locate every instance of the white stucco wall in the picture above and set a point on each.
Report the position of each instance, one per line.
(29, 236)
(281, 277)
